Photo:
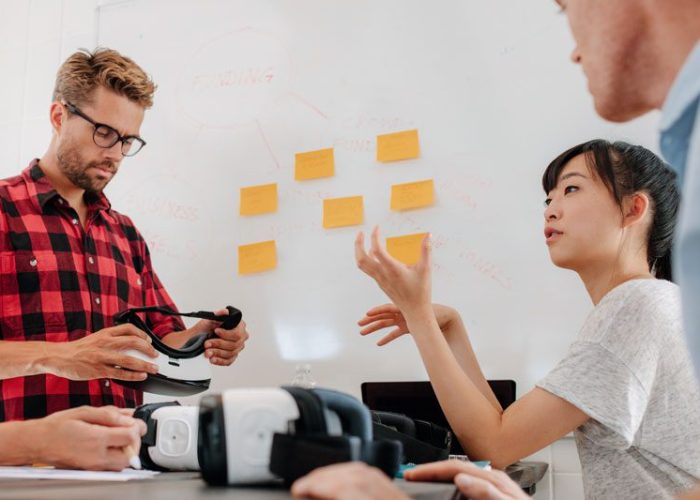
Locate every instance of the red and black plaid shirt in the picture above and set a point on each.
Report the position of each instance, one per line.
(61, 282)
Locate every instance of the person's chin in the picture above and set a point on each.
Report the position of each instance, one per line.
(101, 179)
(98, 185)
(616, 110)
(560, 259)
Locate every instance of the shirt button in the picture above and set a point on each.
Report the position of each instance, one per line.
(33, 262)
(138, 282)
(91, 260)
(106, 383)
(97, 301)
(75, 222)
(60, 200)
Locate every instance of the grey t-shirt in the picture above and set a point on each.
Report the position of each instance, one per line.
(629, 370)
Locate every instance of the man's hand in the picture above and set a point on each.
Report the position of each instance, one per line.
(101, 355)
(224, 349)
(472, 482)
(221, 350)
(84, 438)
(350, 480)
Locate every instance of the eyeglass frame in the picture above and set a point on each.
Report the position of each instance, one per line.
(73, 109)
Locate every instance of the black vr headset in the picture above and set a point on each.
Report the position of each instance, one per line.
(181, 372)
(422, 441)
(315, 444)
(251, 436)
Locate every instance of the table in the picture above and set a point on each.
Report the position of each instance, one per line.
(176, 486)
(189, 485)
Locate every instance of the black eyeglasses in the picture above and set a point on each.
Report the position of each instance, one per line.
(106, 137)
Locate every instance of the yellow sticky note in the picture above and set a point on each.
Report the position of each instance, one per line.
(412, 195)
(398, 146)
(257, 257)
(258, 199)
(407, 248)
(314, 164)
(339, 212)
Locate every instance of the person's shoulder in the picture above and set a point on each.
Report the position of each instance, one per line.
(125, 223)
(119, 217)
(635, 308)
(8, 184)
(652, 296)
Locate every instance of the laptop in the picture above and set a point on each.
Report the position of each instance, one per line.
(417, 400)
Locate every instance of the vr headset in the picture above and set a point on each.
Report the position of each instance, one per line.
(252, 436)
(181, 372)
(422, 441)
(170, 442)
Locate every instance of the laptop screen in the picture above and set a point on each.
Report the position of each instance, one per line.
(417, 400)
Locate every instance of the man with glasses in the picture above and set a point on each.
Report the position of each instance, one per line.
(69, 262)
(106, 137)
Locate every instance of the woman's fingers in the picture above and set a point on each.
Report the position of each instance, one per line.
(377, 317)
(370, 319)
(383, 309)
(364, 261)
(392, 335)
(377, 250)
(378, 263)
(378, 325)
(426, 254)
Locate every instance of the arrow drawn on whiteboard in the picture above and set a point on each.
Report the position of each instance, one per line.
(267, 143)
(307, 103)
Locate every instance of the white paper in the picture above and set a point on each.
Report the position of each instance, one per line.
(77, 475)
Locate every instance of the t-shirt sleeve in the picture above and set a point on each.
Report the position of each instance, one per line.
(600, 384)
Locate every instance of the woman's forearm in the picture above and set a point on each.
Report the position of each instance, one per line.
(471, 415)
(458, 340)
(534, 421)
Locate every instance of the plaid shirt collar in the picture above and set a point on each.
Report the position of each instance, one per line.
(42, 191)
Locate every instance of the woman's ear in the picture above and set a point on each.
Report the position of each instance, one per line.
(635, 208)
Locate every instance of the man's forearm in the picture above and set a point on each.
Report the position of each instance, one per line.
(19, 359)
(17, 442)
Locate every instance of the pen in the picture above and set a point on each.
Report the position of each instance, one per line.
(134, 460)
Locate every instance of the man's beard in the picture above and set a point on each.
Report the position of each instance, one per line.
(71, 164)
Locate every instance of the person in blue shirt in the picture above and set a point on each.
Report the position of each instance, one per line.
(680, 144)
(642, 55)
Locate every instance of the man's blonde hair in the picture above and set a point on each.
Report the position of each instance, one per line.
(83, 71)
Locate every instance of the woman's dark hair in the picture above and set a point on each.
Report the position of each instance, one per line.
(626, 169)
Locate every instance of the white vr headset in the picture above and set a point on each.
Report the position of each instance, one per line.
(251, 436)
(181, 372)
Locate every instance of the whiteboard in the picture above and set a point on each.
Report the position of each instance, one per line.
(244, 85)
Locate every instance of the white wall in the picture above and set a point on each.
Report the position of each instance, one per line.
(35, 36)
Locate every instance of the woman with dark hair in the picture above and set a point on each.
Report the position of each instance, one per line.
(626, 386)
